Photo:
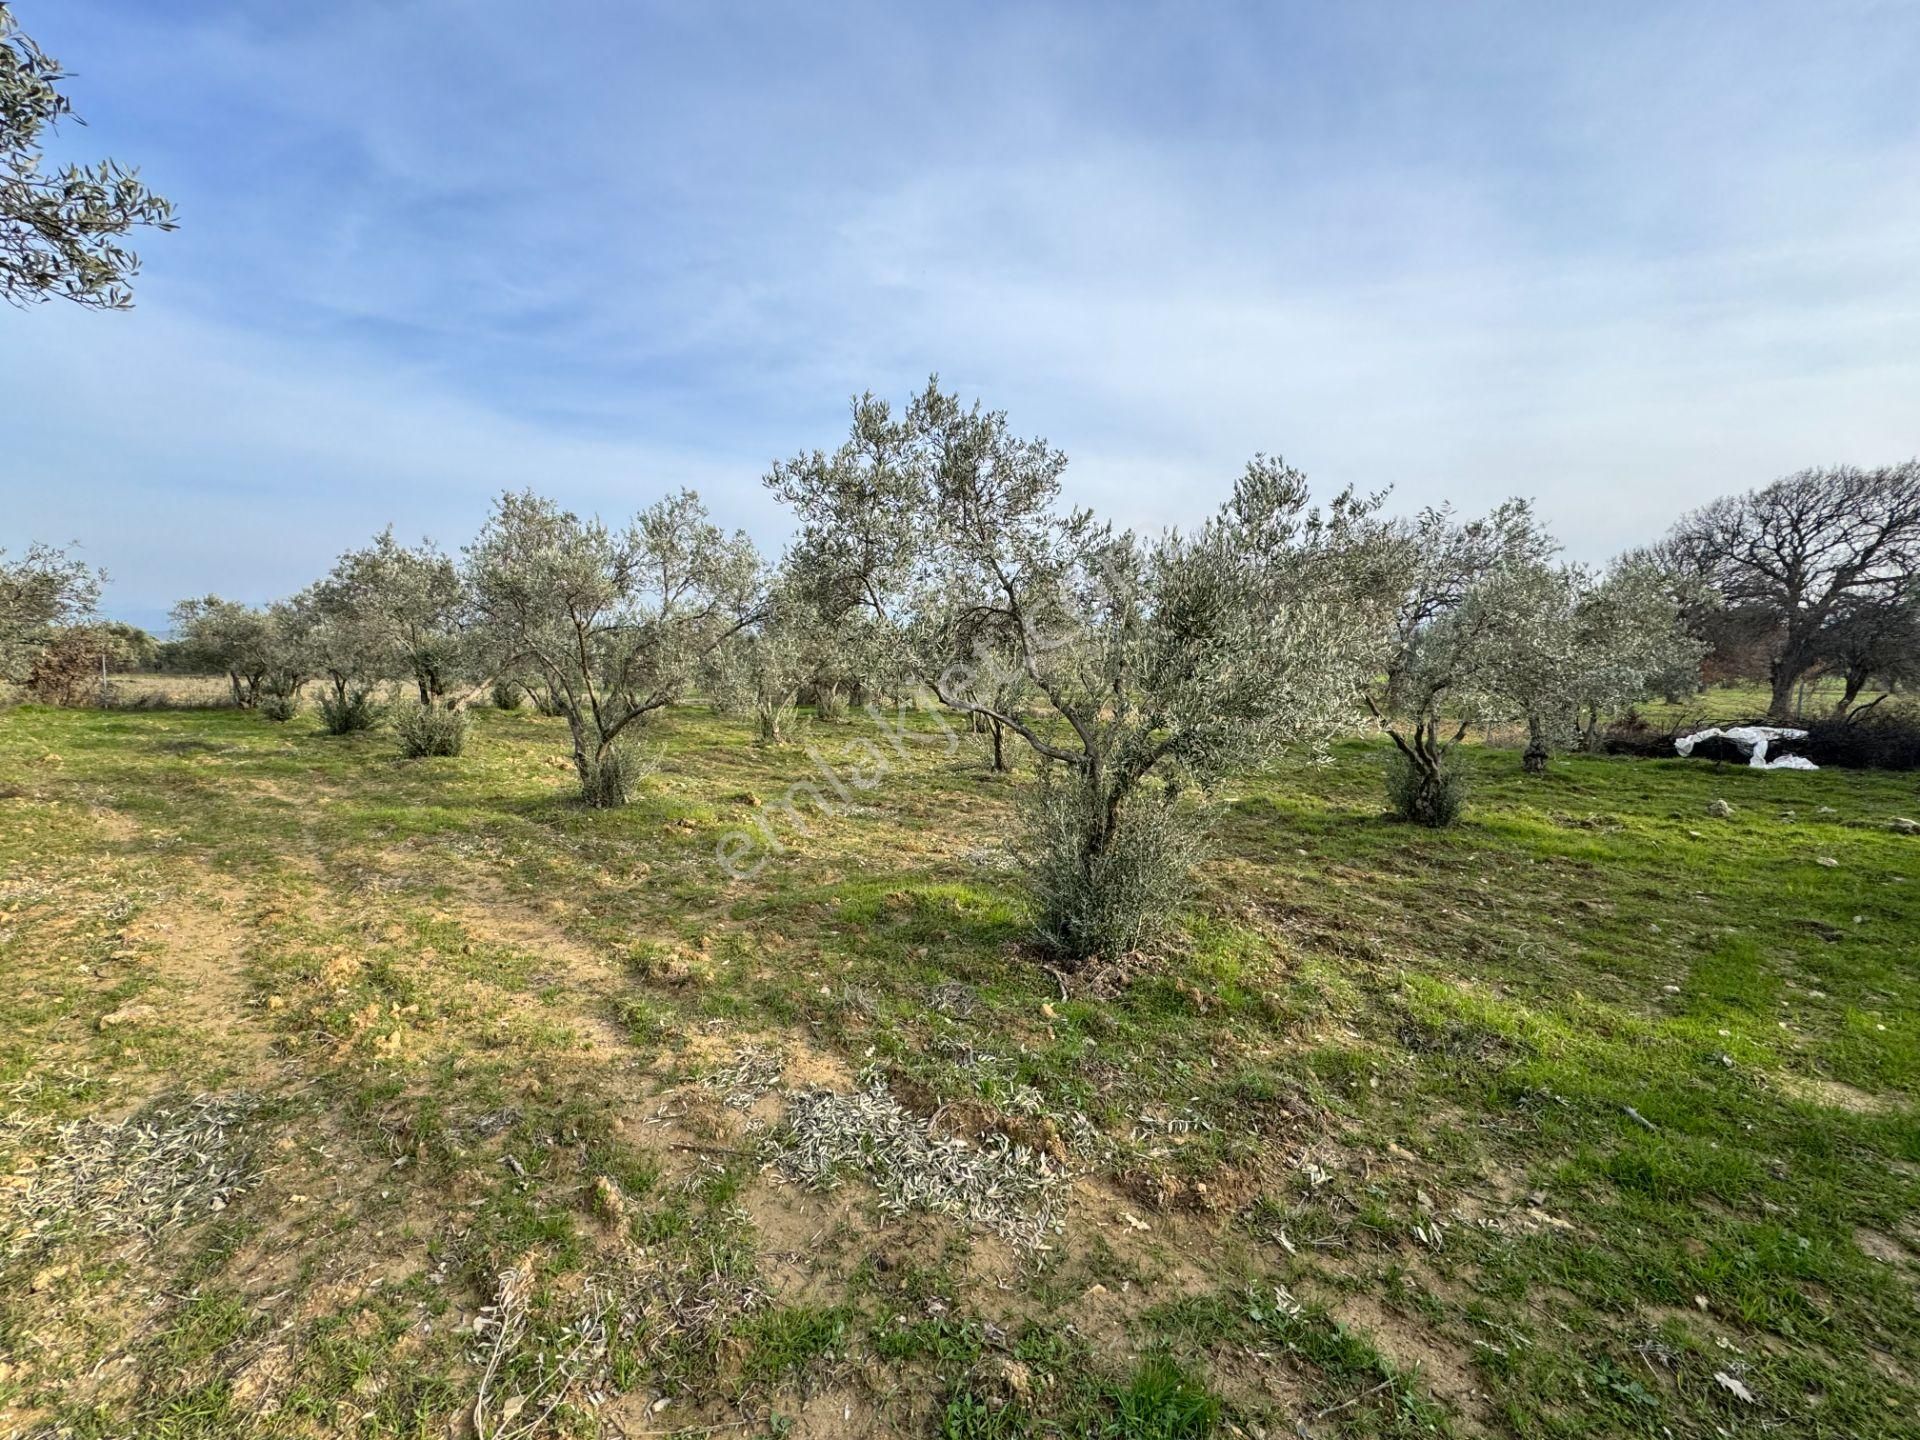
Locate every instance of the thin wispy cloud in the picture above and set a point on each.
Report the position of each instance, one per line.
(1617, 261)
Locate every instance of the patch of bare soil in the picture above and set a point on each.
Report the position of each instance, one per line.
(847, 1411)
(1883, 1248)
(798, 1063)
(1813, 1090)
(197, 945)
(1257, 1379)
(115, 826)
(587, 977)
(846, 1405)
(1128, 1256)
(1411, 1345)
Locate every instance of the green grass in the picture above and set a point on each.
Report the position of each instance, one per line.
(1535, 1126)
(1740, 704)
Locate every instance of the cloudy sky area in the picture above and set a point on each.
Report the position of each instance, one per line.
(1620, 258)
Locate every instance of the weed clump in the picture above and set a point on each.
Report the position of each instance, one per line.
(1434, 798)
(430, 730)
(345, 712)
(1106, 880)
(1164, 1402)
(608, 780)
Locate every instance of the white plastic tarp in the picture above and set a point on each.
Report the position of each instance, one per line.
(1754, 739)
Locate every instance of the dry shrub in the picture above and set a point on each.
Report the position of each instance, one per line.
(1886, 737)
(68, 670)
(430, 730)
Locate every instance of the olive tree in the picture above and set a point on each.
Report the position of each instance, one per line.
(61, 232)
(406, 607)
(787, 646)
(1533, 675)
(385, 612)
(342, 644)
(1464, 594)
(1577, 643)
(1637, 638)
(614, 621)
(244, 643)
(1155, 666)
(42, 590)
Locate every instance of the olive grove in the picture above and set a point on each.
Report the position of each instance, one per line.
(934, 563)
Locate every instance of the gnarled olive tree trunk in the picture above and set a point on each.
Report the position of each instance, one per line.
(1534, 759)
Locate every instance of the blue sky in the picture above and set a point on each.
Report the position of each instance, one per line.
(1621, 258)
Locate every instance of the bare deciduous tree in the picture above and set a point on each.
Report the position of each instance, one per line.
(1877, 640)
(1808, 551)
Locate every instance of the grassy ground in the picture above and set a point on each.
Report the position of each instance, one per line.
(1592, 1116)
(158, 690)
(1741, 704)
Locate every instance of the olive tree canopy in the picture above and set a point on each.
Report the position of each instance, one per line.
(787, 647)
(259, 651)
(395, 612)
(1567, 641)
(43, 589)
(338, 638)
(61, 233)
(1462, 594)
(616, 622)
